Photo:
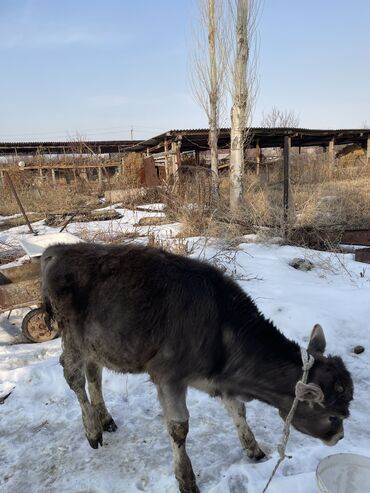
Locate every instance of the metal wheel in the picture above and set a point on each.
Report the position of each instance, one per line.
(35, 326)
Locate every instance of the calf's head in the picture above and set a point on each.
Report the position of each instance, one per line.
(325, 398)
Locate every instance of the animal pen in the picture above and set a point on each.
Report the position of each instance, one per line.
(288, 171)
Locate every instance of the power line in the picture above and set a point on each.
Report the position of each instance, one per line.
(91, 131)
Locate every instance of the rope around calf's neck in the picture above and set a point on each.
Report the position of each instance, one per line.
(308, 362)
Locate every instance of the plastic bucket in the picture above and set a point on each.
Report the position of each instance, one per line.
(344, 473)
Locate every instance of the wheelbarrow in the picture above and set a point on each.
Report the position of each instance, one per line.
(20, 287)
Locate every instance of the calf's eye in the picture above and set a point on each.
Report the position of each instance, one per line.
(334, 420)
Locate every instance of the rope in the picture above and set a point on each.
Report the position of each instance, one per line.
(308, 362)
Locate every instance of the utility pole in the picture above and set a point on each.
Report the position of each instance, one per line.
(132, 132)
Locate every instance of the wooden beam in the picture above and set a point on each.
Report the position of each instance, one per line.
(287, 145)
(166, 167)
(14, 192)
(258, 158)
(331, 154)
(62, 166)
(178, 154)
(83, 174)
(174, 157)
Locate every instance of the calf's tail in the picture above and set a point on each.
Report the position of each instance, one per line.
(46, 303)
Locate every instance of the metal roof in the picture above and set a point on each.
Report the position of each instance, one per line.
(197, 139)
(97, 146)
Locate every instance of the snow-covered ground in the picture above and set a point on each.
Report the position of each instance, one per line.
(42, 443)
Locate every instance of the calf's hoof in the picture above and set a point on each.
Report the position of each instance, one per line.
(256, 454)
(110, 426)
(193, 489)
(95, 442)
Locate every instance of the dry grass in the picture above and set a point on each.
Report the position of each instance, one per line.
(178, 245)
(131, 175)
(190, 201)
(323, 200)
(41, 195)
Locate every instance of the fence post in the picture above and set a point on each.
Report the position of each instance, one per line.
(331, 156)
(258, 158)
(287, 144)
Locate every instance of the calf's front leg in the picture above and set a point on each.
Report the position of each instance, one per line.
(236, 409)
(173, 401)
(94, 381)
(73, 367)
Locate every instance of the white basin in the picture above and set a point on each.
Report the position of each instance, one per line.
(35, 245)
(344, 473)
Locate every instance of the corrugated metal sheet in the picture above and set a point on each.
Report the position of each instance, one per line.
(193, 139)
(198, 139)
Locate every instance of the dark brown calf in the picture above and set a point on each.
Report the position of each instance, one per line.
(137, 309)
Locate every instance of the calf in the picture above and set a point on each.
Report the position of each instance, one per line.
(138, 309)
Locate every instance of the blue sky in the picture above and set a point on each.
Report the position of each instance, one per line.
(98, 67)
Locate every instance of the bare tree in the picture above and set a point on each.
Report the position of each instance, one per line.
(208, 71)
(243, 84)
(280, 119)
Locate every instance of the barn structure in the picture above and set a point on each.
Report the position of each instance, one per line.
(164, 153)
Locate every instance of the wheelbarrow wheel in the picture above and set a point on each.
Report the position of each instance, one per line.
(36, 328)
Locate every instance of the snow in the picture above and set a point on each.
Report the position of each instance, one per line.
(151, 207)
(6, 218)
(42, 443)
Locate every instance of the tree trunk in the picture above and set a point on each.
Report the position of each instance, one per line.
(239, 108)
(213, 98)
(236, 159)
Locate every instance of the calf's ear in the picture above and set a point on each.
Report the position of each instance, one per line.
(317, 342)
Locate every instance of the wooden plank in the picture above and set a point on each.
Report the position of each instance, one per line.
(62, 166)
(356, 237)
(150, 172)
(363, 255)
(22, 272)
(21, 293)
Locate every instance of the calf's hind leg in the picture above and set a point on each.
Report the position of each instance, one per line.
(74, 374)
(173, 401)
(236, 409)
(93, 374)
